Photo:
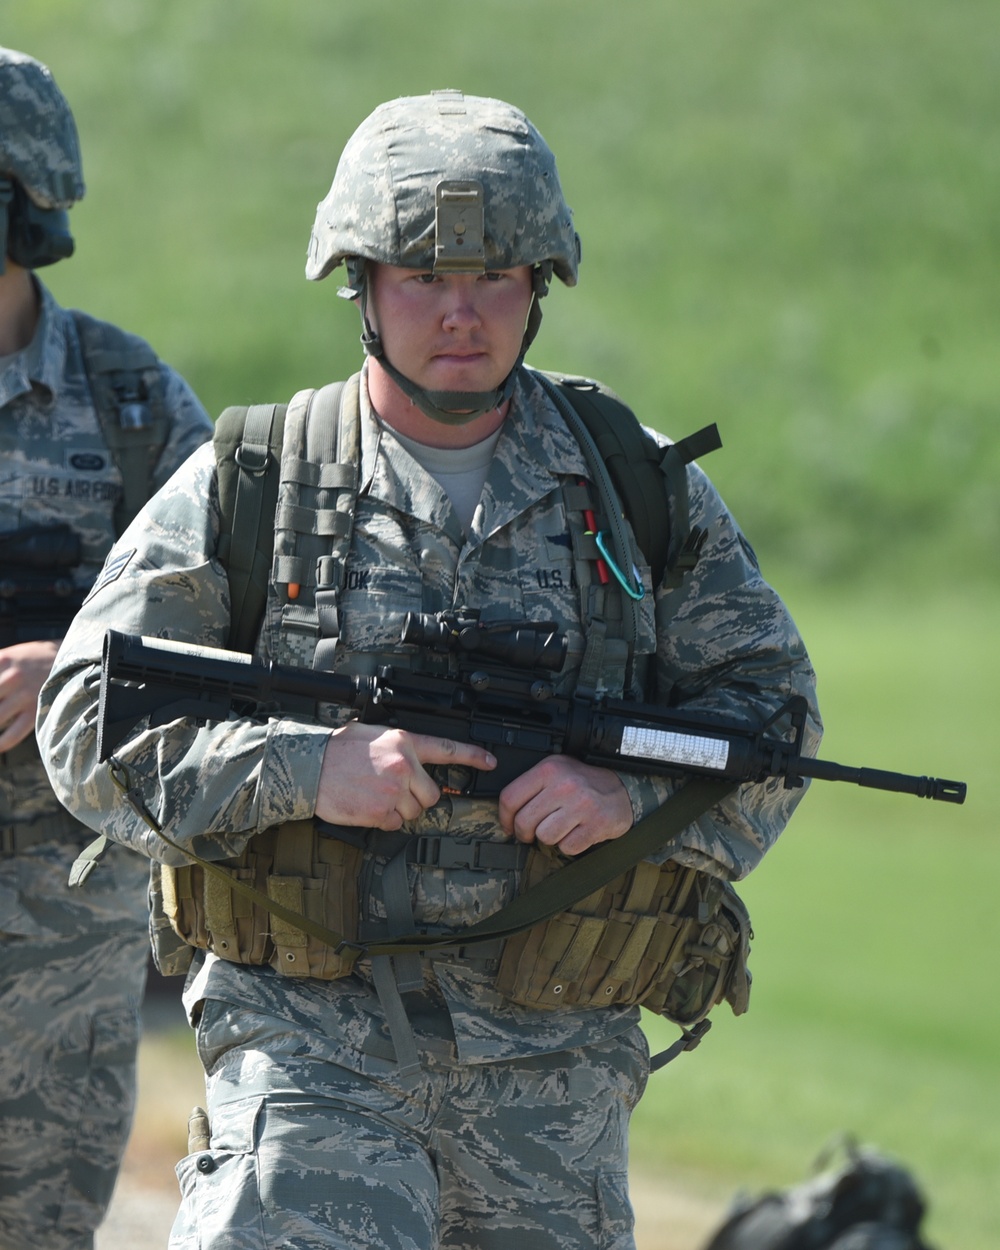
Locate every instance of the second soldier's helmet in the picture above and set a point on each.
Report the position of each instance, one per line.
(41, 173)
(452, 184)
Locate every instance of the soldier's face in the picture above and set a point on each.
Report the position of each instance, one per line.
(451, 332)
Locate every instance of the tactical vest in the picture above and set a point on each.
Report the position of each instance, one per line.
(674, 939)
(259, 516)
(129, 401)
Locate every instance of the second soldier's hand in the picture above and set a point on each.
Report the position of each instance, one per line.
(375, 777)
(23, 669)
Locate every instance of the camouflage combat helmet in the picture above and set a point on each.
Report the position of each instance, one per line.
(452, 184)
(41, 173)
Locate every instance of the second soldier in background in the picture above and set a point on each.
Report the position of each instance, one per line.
(91, 424)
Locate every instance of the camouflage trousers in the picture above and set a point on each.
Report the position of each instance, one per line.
(310, 1149)
(69, 1029)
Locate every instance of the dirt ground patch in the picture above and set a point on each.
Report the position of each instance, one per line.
(669, 1218)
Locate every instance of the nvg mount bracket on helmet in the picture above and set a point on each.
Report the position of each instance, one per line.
(458, 227)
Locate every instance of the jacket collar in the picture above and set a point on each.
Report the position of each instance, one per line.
(534, 450)
(42, 363)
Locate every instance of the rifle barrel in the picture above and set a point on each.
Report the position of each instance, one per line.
(879, 779)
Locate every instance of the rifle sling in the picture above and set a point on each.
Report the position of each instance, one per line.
(558, 891)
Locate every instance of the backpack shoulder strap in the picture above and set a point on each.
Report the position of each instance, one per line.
(284, 500)
(632, 461)
(650, 482)
(126, 384)
(686, 541)
(314, 521)
(248, 444)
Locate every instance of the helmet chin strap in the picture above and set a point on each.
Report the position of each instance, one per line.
(455, 407)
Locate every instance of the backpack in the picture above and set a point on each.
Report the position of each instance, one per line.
(648, 481)
(869, 1202)
(126, 385)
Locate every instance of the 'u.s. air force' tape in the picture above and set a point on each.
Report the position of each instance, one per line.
(111, 572)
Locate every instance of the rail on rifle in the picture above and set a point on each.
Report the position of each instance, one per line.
(499, 692)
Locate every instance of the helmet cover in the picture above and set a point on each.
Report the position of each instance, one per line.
(39, 145)
(414, 153)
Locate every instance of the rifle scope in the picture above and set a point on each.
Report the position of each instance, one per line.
(515, 644)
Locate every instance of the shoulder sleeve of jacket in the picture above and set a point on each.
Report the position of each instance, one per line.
(211, 786)
(189, 425)
(727, 644)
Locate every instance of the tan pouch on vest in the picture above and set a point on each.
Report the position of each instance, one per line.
(312, 875)
(670, 938)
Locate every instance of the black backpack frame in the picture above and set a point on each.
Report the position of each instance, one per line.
(649, 481)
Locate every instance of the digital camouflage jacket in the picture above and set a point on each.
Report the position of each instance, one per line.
(722, 641)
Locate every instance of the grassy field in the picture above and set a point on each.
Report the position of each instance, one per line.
(789, 223)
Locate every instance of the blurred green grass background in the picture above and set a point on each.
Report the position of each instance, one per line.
(789, 222)
(874, 1009)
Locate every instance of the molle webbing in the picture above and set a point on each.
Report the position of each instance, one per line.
(669, 937)
(315, 517)
(288, 480)
(242, 911)
(610, 511)
(608, 628)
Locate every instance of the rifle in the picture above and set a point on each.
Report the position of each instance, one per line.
(38, 597)
(494, 688)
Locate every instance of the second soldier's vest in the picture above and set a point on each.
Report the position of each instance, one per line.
(69, 511)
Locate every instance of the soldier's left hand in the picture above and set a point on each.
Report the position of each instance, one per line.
(567, 804)
(23, 670)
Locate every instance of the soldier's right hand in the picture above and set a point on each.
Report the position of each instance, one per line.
(374, 777)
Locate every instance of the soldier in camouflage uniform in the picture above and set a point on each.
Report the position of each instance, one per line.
(474, 1122)
(73, 961)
